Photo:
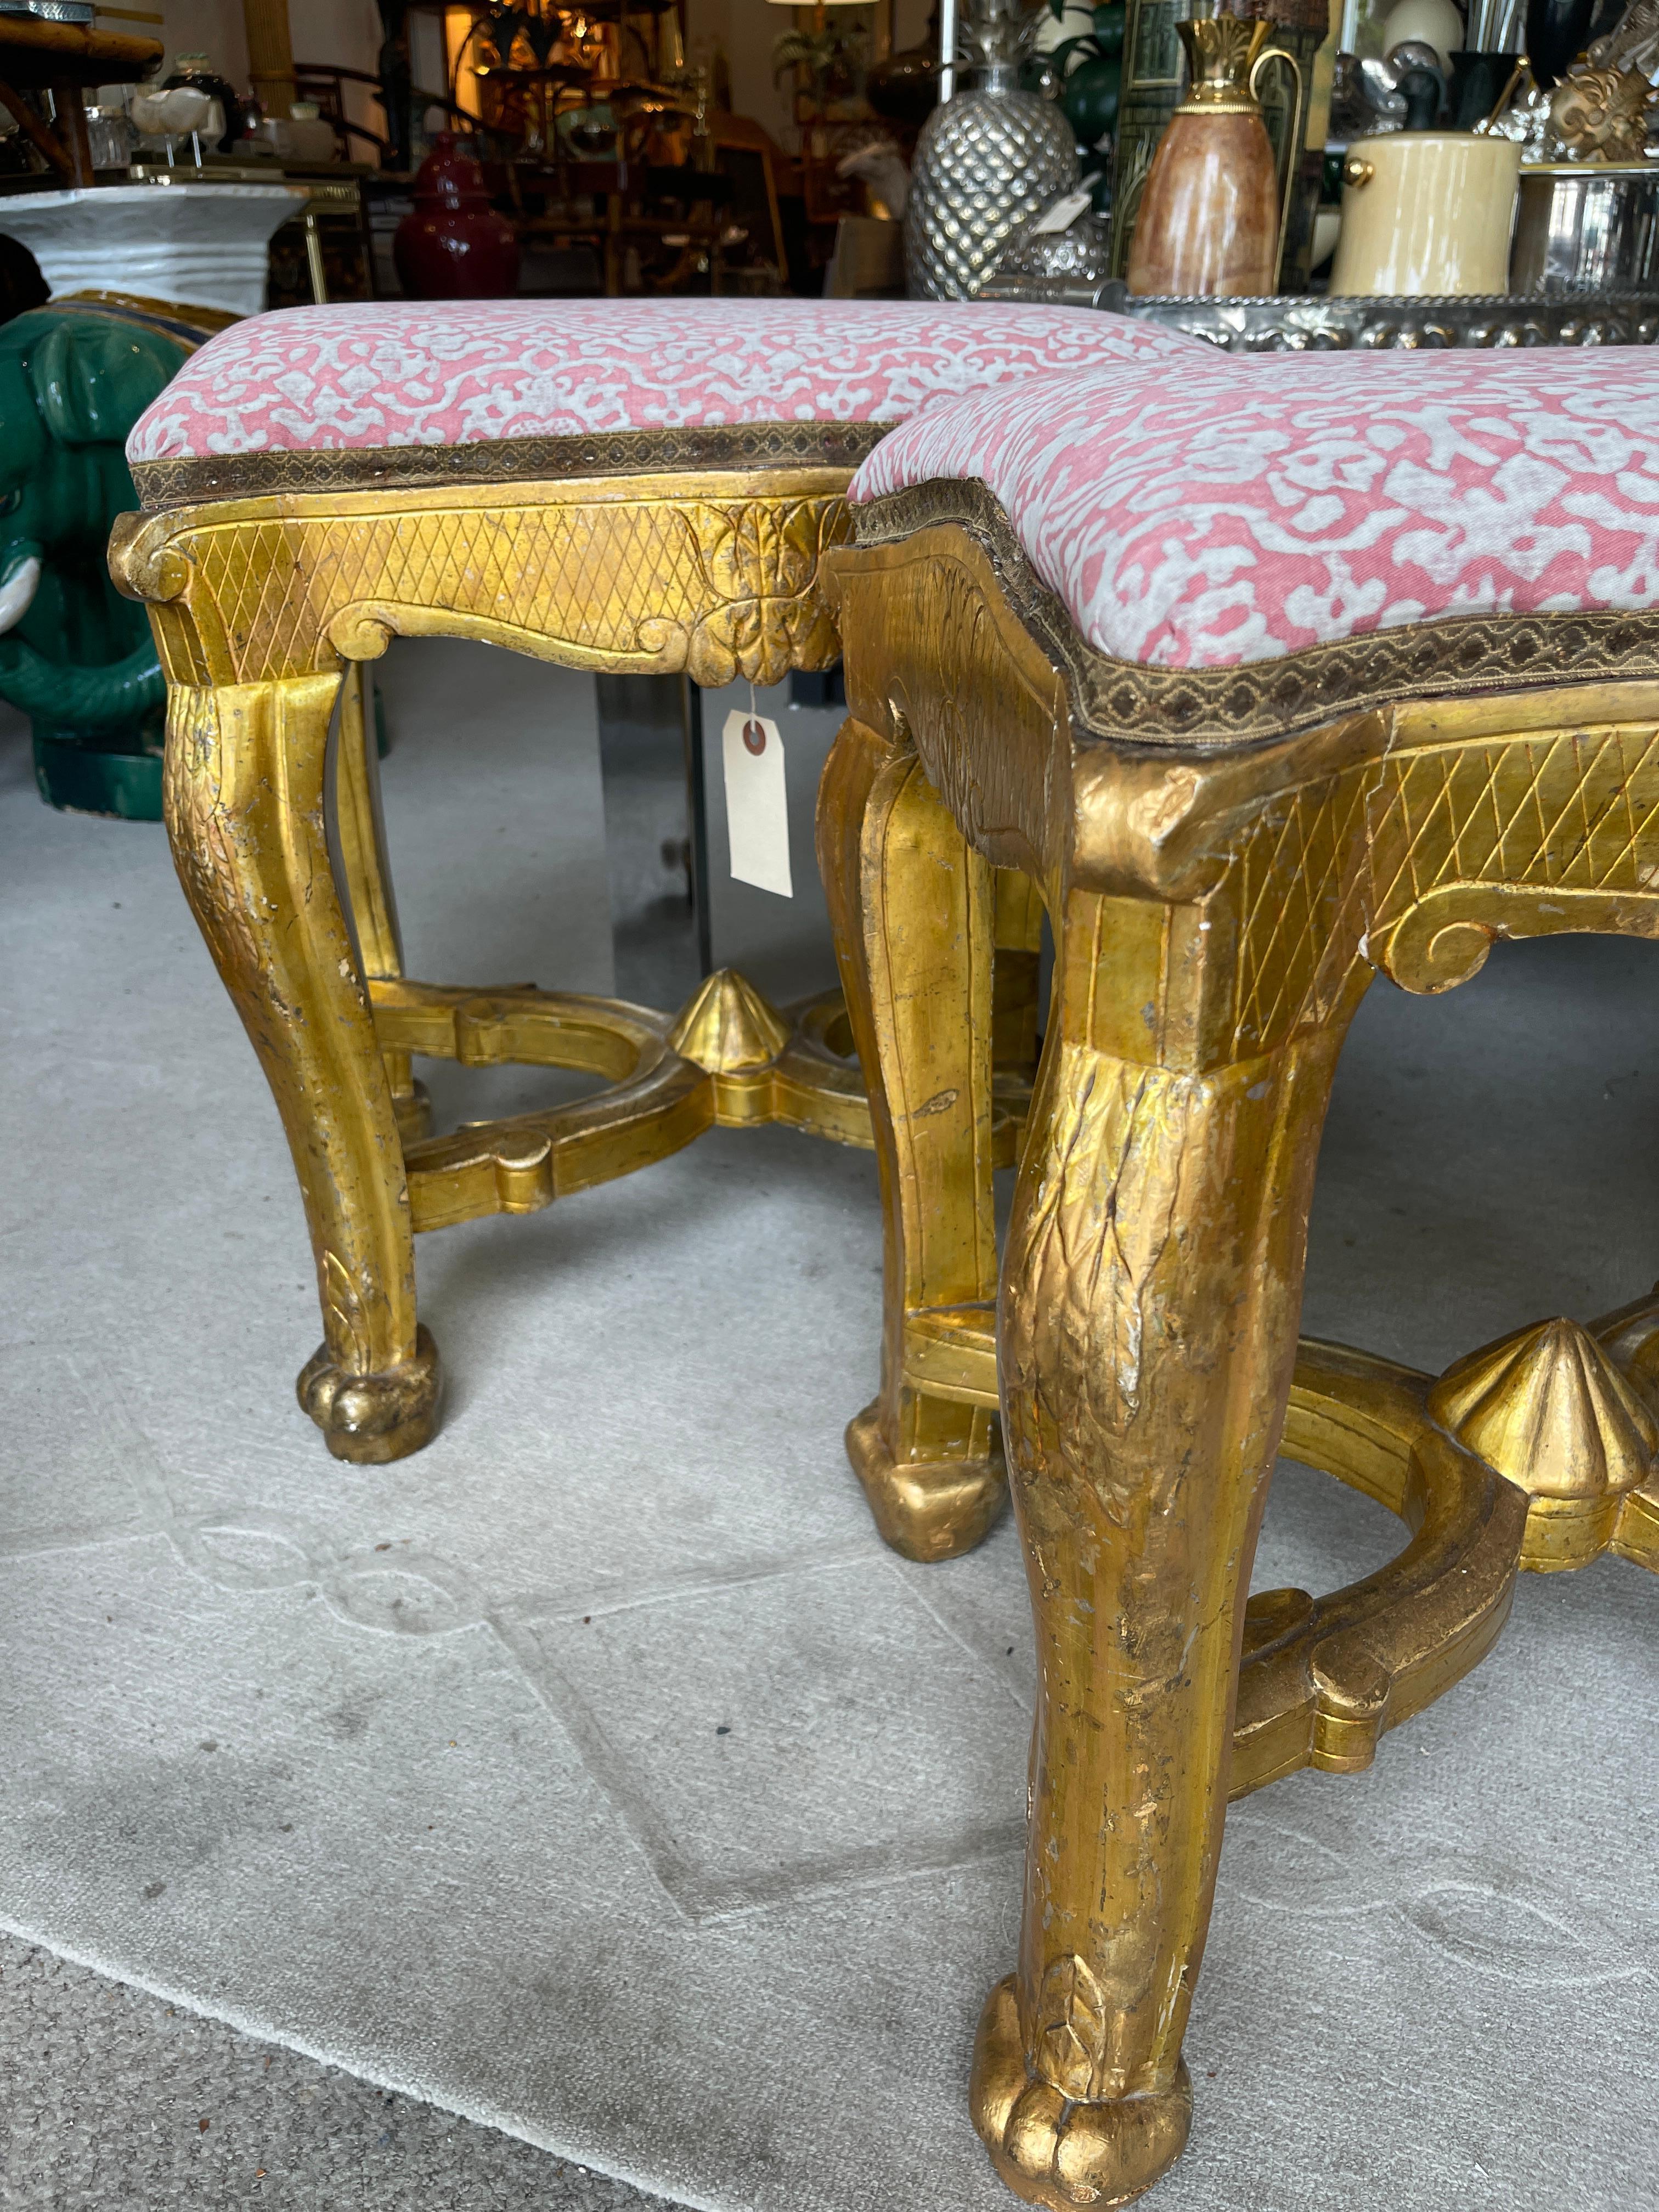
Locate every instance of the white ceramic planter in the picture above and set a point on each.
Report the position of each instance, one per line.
(198, 246)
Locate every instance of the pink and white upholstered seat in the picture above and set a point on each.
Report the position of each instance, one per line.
(1205, 513)
(454, 378)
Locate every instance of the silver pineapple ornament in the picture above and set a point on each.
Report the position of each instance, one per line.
(985, 163)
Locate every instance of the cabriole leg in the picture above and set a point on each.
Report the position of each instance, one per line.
(913, 911)
(1150, 1303)
(245, 814)
(365, 875)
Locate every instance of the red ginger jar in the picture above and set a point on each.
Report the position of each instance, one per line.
(452, 244)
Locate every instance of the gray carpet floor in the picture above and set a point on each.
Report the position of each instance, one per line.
(112, 2098)
(596, 1775)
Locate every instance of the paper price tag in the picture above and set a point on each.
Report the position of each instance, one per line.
(756, 802)
(1062, 215)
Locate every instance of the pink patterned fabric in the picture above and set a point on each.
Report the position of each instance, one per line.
(1201, 514)
(450, 372)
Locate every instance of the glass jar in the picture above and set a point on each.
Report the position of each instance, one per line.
(109, 138)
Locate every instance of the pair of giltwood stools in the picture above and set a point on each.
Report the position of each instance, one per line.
(1257, 679)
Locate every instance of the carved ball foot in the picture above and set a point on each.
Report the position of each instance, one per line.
(928, 1509)
(372, 1418)
(1052, 2152)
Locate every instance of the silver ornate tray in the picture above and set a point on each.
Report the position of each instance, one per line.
(1310, 325)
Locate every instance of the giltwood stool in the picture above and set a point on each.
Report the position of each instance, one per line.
(1271, 675)
(611, 485)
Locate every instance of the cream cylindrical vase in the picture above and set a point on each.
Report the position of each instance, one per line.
(1426, 215)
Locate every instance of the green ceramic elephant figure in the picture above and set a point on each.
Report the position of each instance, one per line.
(75, 656)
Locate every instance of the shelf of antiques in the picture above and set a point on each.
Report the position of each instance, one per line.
(48, 64)
(1368, 177)
(592, 135)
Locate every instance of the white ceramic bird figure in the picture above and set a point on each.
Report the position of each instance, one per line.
(881, 171)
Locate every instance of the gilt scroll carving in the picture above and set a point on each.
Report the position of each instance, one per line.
(714, 576)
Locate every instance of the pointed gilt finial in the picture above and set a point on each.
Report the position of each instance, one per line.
(728, 1026)
(1550, 1411)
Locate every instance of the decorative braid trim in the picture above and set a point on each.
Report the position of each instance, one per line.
(1202, 708)
(507, 460)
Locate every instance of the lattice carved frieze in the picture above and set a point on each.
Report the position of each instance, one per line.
(941, 656)
(1407, 837)
(719, 580)
(1417, 860)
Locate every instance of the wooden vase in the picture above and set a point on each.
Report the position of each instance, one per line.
(1211, 219)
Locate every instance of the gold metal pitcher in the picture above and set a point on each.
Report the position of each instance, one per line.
(1213, 214)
